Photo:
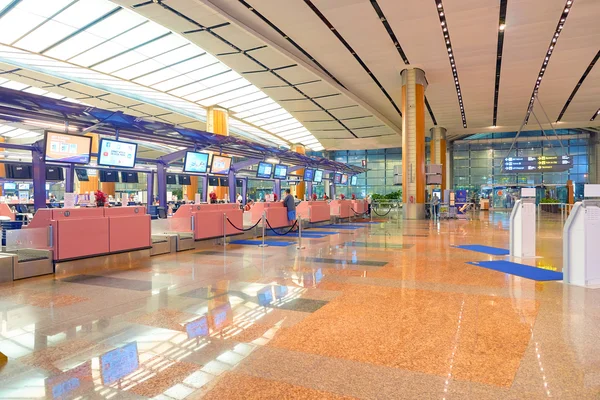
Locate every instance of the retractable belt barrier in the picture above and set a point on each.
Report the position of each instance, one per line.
(381, 215)
(242, 229)
(281, 234)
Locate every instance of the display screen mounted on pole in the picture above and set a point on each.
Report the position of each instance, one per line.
(68, 148)
(113, 153)
(537, 164)
(195, 162)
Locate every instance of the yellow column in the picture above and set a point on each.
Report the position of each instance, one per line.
(413, 143)
(300, 186)
(217, 122)
(437, 147)
(192, 188)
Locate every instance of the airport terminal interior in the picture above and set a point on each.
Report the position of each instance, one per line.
(299, 199)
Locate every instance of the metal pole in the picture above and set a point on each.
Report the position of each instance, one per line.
(224, 230)
(398, 212)
(300, 247)
(371, 210)
(264, 226)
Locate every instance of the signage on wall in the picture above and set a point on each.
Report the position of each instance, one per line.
(537, 164)
(364, 163)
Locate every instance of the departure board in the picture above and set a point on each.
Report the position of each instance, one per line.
(537, 164)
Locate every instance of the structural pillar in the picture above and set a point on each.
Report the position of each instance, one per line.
(437, 147)
(70, 179)
(301, 185)
(161, 179)
(244, 190)
(204, 188)
(217, 122)
(277, 188)
(39, 179)
(232, 187)
(413, 143)
(150, 188)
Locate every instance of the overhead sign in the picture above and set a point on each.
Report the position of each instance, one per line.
(537, 164)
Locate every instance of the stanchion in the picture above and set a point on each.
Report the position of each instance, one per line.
(300, 247)
(224, 230)
(371, 212)
(264, 226)
(398, 213)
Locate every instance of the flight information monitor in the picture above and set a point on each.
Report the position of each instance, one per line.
(344, 180)
(264, 171)
(537, 164)
(337, 178)
(318, 176)
(220, 165)
(74, 149)
(195, 162)
(117, 154)
(309, 174)
(280, 171)
(353, 180)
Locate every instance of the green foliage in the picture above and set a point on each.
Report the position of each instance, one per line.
(390, 196)
(548, 200)
(178, 193)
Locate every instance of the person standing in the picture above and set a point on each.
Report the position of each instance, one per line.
(290, 205)
(369, 200)
(435, 203)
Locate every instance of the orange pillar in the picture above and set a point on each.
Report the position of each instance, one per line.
(217, 122)
(300, 186)
(192, 188)
(413, 143)
(437, 147)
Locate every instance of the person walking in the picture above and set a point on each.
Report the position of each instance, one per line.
(369, 200)
(435, 203)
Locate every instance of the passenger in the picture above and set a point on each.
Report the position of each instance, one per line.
(249, 205)
(435, 203)
(369, 201)
(53, 200)
(240, 199)
(290, 204)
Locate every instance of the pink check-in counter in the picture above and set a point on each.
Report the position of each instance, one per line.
(276, 214)
(314, 211)
(208, 219)
(5, 211)
(359, 206)
(85, 232)
(341, 208)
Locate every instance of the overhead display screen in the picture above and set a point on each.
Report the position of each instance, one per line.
(264, 170)
(74, 149)
(344, 180)
(10, 186)
(195, 162)
(113, 153)
(220, 165)
(280, 171)
(119, 363)
(318, 176)
(353, 180)
(537, 164)
(337, 178)
(309, 174)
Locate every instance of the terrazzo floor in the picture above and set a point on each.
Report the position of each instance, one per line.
(386, 311)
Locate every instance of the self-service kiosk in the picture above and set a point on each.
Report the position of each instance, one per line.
(581, 252)
(522, 225)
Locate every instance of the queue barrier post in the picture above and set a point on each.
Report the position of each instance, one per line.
(300, 247)
(264, 227)
(224, 229)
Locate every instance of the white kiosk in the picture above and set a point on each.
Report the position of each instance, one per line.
(522, 225)
(581, 252)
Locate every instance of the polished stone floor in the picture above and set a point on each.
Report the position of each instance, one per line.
(384, 311)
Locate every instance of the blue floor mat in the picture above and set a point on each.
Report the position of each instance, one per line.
(524, 271)
(494, 251)
(315, 232)
(341, 226)
(306, 235)
(269, 242)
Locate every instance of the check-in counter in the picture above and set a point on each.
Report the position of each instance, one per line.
(5, 211)
(341, 208)
(209, 219)
(276, 214)
(86, 232)
(359, 206)
(314, 211)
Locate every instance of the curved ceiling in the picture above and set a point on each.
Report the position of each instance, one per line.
(496, 46)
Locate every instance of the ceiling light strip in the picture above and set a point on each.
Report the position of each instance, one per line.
(399, 48)
(595, 115)
(448, 43)
(272, 71)
(574, 92)
(555, 36)
(290, 40)
(500, 48)
(351, 50)
(9, 7)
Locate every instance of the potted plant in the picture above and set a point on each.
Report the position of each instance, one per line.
(100, 198)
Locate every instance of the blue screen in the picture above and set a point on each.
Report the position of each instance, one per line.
(309, 175)
(10, 186)
(353, 180)
(195, 162)
(280, 171)
(264, 170)
(198, 327)
(119, 363)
